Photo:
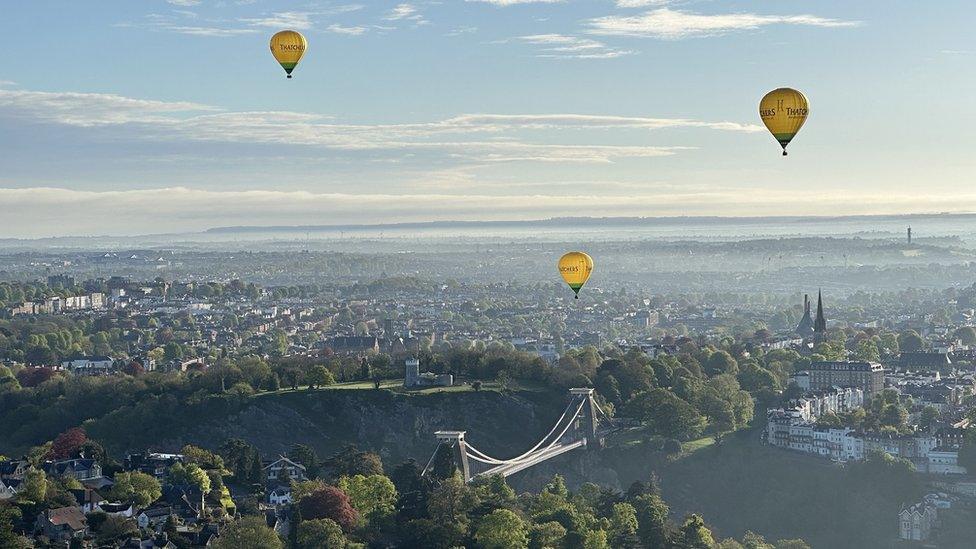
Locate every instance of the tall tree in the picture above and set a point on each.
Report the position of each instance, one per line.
(694, 534)
(320, 534)
(331, 503)
(67, 444)
(305, 455)
(250, 532)
(501, 529)
(138, 488)
(652, 521)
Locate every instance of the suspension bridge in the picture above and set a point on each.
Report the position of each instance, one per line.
(583, 424)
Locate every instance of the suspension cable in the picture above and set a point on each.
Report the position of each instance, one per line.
(485, 458)
(534, 448)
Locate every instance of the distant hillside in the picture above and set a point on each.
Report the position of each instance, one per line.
(596, 221)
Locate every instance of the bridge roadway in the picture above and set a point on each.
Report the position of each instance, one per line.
(512, 468)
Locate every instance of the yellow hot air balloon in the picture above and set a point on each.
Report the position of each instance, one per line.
(784, 111)
(575, 268)
(288, 47)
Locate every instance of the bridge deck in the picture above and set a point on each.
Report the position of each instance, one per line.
(512, 468)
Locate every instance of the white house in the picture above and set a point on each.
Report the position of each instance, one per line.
(154, 517)
(89, 364)
(915, 522)
(7, 492)
(284, 468)
(945, 461)
(279, 495)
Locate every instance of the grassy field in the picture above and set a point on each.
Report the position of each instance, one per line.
(690, 447)
(396, 385)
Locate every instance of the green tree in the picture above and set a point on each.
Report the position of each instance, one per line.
(927, 417)
(450, 503)
(8, 538)
(501, 529)
(623, 526)
(546, 535)
(910, 341)
(305, 455)
(373, 496)
(595, 539)
(867, 351)
(115, 527)
(652, 520)
(34, 487)
(138, 488)
(250, 532)
(172, 351)
(191, 474)
(320, 534)
(694, 534)
(319, 375)
(666, 414)
(721, 362)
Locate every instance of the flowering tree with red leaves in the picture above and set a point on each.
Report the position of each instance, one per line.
(67, 444)
(32, 377)
(133, 369)
(331, 503)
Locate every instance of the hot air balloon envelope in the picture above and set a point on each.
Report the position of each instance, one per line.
(784, 111)
(288, 47)
(575, 268)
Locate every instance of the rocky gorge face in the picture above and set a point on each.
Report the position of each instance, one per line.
(398, 426)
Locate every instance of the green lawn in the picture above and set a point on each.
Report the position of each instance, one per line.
(634, 437)
(688, 448)
(396, 385)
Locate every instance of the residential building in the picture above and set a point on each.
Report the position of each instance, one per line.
(80, 469)
(830, 401)
(868, 376)
(916, 521)
(8, 489)
(284, 468)
(62, 524)
(279, 495)
(945, 461)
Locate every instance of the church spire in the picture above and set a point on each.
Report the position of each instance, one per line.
(820, 324)
(805, 327)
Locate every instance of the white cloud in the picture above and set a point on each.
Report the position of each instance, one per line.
(641, 3)
(550, 121)
(561, 46)
(90, 109)
(283, 20)
(216, 32)
(671, 24)
(189, 23)
(487, 138)
(184, 3)
(505, 3)
(352, 31)
(462, 30)
(406, 12)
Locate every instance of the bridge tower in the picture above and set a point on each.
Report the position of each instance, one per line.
(587, 421)
(455, 439)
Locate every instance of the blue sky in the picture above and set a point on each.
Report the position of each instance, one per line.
(131, 117)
